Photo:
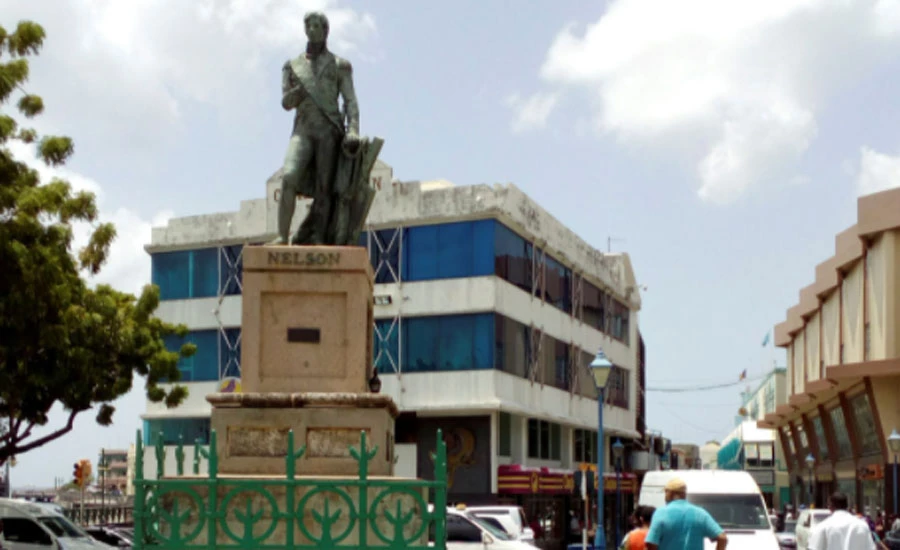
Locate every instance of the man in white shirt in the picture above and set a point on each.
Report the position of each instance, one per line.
(842, 530)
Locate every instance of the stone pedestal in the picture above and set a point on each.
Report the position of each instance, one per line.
(306, 352)
(253, 431)
(307, 319)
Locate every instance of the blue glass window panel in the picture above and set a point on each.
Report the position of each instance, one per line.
(455, 250)
(561, 360)
(453, 342)
(421, 344)
(173, 342)
(231, 272)
(206, 360)
(171, 272)
(483, 247)
(205, 273)
(387, 346)
(513, 257)
(189, 430)
(447, 251)
(422, 253)
(483, 341)
(558, 284)
(204, 364)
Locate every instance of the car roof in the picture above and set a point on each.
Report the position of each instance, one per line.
(16, 507)
(705, 481)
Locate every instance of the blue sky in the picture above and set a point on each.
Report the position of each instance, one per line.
(723, 143)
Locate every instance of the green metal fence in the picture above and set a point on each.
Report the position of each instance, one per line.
(204, 512)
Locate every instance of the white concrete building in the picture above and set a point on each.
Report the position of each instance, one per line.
(488, 311)
(756, 450)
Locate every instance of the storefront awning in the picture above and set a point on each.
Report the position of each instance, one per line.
(519, 479)
(729, 457)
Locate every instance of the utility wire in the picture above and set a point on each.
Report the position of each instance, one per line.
(703, 388)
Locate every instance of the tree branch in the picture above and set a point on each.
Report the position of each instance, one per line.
(47, 438)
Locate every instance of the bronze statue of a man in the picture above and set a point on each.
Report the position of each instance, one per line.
(312, 83)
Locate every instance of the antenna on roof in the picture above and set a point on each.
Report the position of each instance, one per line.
(609, 241)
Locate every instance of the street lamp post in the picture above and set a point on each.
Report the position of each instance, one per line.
(618, 450)
(894, 444)
(810, 462)
(600, 369)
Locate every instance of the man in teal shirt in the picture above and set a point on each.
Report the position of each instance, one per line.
(679, 525)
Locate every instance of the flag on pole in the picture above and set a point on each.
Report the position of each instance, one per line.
(766, 339)
(743, 375)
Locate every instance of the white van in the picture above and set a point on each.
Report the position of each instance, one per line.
(31, 526)
(732, 498)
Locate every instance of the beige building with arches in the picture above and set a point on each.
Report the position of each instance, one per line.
(843, 351)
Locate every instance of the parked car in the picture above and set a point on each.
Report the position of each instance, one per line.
(787, 536)
(27, 526)
(511, 517)
(466, 531)
(110, 535)
(805, 523)
(892, 540)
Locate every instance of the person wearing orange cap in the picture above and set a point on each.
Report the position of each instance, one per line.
(679, 525)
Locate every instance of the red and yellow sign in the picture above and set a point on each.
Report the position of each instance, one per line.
(518, 479)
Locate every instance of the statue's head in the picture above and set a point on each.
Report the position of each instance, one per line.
(316, 26)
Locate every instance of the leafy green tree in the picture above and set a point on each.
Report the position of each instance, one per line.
(62, 341)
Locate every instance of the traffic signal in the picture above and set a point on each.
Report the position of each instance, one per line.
(86, 471)
(82, 472)
(77, 474)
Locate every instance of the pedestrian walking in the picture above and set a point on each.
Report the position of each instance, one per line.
(842, 530)
(635, 539)
(680, 525)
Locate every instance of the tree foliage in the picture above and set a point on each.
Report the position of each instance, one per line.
(62, 341)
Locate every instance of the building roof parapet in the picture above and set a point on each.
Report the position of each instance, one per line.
(421, 203)
(876, 213)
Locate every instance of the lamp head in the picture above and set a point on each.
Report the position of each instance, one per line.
(600, 369)
(810, 460)
(894, 441)
(618, 449)
(375, 382)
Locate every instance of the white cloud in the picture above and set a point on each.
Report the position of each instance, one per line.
(128, 265)
(877, 171)
(531, 112)
(136, 69)
(734, 85)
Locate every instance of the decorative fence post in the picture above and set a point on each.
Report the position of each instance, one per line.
(440, 493)
(138, 493)
(382, 509)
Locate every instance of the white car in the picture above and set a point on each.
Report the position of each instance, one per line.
(805, 523)
(732, 498)
(512, 518)
(31, 526)
(468, 532)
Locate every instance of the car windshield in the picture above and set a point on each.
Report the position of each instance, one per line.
(734, 511)
(789, 527)
(497, 533)
(61, 527)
